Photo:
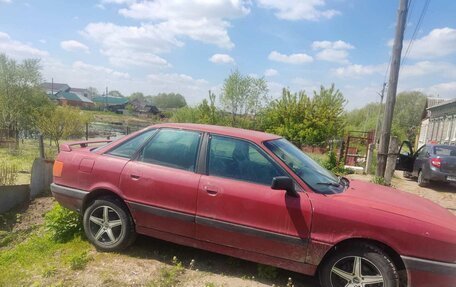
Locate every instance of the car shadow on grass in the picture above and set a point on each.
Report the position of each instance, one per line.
(151, 248)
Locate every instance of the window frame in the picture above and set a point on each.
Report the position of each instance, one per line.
(108, 152)
(198, 150)
(256, 146)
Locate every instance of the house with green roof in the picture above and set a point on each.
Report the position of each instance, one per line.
(114, 104)
(66, 98)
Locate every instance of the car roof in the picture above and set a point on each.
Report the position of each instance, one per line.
(252, 135)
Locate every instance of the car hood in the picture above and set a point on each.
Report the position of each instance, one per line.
(391, 200)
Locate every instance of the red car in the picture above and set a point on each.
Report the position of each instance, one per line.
(254, 196)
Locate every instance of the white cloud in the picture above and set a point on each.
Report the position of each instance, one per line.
(332, 51)
(88, 68)
(131, 45)
(6, 1)
(117, 1)
(422, 68)
(18, 49)
(444, 90)
(356, 70)
(203, 21)
(165, 25)
(271, 73)
(298, 9)
(221, 59)
(80, 74)
(438, 43)
(338, 45)
(189, 9)
(290, 59)
(331, 55)
(74, 46)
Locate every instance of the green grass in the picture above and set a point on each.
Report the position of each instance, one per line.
(40, 257)
(22, 158)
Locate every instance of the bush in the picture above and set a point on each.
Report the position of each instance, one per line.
(331, 164)
(63, 223)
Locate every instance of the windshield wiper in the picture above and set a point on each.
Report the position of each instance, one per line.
(330, 184)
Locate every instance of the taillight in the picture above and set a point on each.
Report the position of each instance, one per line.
(57, 168)
(437, 162)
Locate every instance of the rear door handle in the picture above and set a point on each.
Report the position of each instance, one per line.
(134, 176)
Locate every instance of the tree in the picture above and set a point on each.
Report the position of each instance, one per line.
(168, 101)
(408, 114)
(305, 120)
(243, 95)
(61, 122)
(115, 93)
(138, 96)
(406, 120)
(204, 113)
(20, 95)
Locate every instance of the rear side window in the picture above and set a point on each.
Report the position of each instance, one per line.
(128, 148)
(241, 160)
(445, 150)
(173, 148)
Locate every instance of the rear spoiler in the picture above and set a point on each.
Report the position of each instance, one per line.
(67, 146)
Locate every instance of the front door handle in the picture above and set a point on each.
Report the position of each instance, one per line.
(211, 190)
(134, 176)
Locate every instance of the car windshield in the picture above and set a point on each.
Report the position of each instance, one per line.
(318, 178)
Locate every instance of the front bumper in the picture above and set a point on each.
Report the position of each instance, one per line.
(429, 273)
(69, 197)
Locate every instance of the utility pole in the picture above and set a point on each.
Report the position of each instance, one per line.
(392, 88)
(380, 108)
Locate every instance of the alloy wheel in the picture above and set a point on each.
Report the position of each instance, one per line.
(105, 225)
(355, 271)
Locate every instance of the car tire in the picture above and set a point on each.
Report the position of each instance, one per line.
(108, 225)
(339, 269)
(421, 181)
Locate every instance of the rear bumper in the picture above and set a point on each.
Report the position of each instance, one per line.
(69, 197)
(437, 175)
(426, 273)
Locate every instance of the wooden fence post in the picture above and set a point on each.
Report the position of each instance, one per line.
(370, 153)
(41, 144)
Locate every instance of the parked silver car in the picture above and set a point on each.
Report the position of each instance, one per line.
(431, 162)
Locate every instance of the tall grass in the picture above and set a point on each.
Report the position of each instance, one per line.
(8, 173)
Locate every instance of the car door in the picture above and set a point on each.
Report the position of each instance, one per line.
(236, 206)
(160, 184)
(405, 158)
(421, 158)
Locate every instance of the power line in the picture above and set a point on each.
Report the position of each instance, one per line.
(417, 27)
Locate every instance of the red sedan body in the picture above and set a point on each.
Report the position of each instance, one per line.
(252, 221)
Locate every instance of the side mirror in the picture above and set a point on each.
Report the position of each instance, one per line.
(284, 183)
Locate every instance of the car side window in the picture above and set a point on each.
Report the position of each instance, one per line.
(128, 148)
(241, 160)
(172, 148)
(422, 152)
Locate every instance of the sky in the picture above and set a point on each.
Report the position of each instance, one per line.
(191, 46)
